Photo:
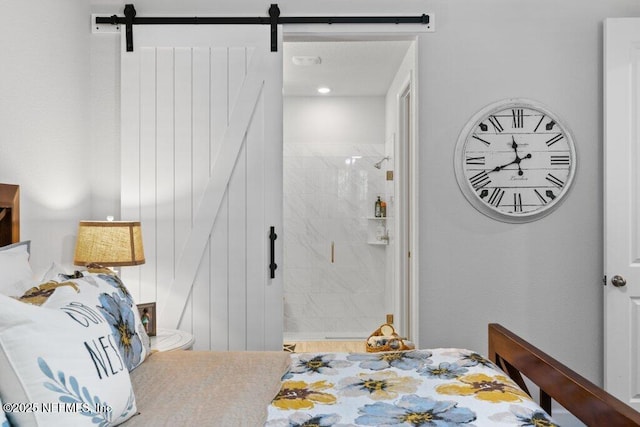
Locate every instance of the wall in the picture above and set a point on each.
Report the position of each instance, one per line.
(44, 122)
(541, 279)
(330, 185)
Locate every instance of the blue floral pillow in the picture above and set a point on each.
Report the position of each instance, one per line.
(110, 297)
(61, 366)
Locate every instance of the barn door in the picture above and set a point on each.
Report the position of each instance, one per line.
(622, 209)
(201, 154)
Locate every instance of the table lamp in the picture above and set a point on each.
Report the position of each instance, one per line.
(109, 243)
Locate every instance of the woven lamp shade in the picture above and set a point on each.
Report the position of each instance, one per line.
(109, 243)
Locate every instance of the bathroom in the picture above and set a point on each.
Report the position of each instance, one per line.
(339, 157)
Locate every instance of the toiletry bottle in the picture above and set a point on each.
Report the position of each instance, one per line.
(378, 208)
(383, 209)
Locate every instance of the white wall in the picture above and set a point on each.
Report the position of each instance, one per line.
(330, 186)
(541, 279)
(44, 122)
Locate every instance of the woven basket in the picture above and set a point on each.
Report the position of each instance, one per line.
(385, 338)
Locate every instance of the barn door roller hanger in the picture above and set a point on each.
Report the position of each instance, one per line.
(129, 20)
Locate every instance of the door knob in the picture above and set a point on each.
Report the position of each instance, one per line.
(618, 281)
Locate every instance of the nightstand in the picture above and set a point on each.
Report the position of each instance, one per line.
(171, 339)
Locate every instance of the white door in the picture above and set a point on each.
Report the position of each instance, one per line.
(622, 209)
(201, 154)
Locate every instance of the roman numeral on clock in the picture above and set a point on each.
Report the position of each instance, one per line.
(555, 139)
(518, 118)
(496, 124)
(485, 142)
(555, 180)
(517, 202)
(496, 197)
(475, 160)
(541, 197)
(480, 180)
(560, 160)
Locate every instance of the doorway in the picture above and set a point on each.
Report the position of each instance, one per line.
(345, 269)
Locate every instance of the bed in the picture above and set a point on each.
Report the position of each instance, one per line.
(62, 362)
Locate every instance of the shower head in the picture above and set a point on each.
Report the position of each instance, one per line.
(379, 164)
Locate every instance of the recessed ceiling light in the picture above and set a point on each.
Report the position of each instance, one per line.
(324, 90)
(305, 61)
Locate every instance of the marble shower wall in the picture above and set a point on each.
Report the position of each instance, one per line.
(330, 186)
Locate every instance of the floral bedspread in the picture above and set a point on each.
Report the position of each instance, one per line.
(441, 387)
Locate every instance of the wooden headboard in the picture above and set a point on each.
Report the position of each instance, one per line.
(9, 214)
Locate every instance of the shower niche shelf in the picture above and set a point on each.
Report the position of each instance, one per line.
(377, 232)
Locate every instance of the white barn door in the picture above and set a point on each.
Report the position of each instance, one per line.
(201, 154)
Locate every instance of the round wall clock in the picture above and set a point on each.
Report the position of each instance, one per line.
(515, 161)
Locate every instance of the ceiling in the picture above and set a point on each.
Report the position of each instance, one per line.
(349, 68)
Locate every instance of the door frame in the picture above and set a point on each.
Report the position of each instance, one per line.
(406, 300)
(407, 209)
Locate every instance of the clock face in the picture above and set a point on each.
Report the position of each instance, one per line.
(515, 161)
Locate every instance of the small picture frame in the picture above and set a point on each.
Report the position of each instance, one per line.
(148, 317)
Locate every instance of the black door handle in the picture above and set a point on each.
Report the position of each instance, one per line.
(272, 265)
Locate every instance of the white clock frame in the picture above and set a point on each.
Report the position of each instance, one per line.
(461, 168)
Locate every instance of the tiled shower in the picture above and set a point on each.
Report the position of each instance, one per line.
(334, 267)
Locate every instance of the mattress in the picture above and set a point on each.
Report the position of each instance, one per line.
(437, 387)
